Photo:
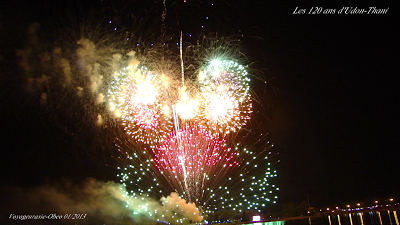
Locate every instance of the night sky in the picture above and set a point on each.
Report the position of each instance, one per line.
(332, 97)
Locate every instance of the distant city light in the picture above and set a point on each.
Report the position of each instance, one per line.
(256, 218)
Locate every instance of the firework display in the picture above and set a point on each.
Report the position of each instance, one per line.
(195, 159)
(188, 131)
(181, 128)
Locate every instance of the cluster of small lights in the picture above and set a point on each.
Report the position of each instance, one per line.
(247, 188)
(145, 181)
(243, 184)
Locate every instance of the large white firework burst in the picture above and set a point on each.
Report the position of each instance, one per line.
(137, 96)
(225, 92)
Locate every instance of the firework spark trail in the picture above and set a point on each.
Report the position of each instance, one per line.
(181, 55)
(190, 155)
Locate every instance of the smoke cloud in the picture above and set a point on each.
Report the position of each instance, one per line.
(100, 202)
(176, 204)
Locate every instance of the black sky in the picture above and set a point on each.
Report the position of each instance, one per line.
(334, 89)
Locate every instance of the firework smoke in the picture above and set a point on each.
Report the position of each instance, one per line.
(101, 201)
